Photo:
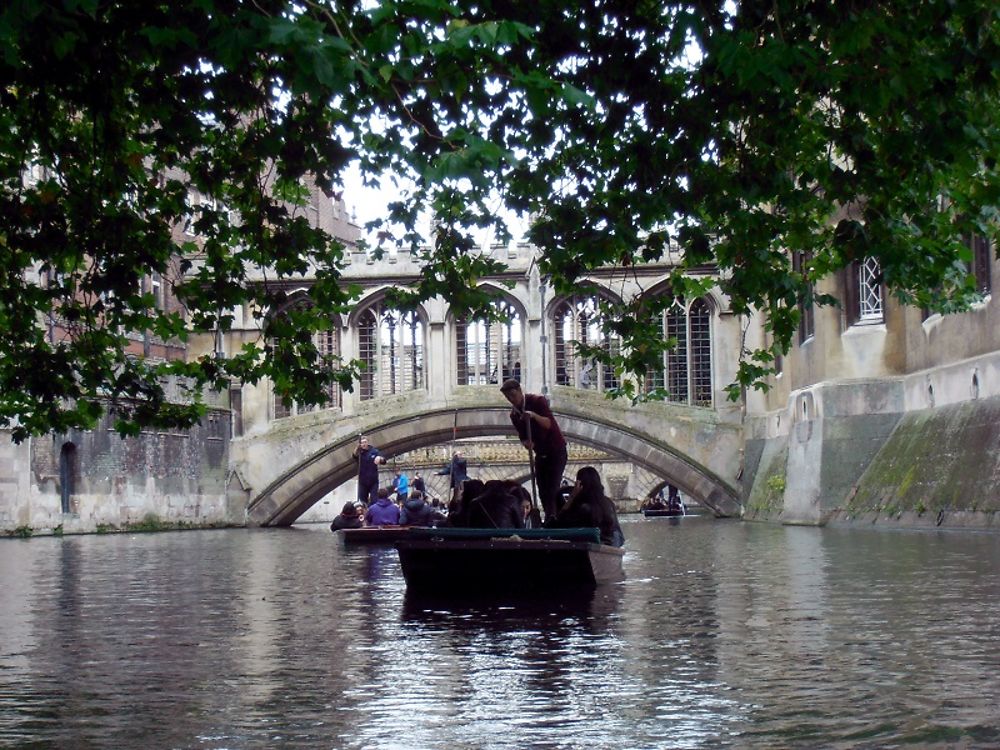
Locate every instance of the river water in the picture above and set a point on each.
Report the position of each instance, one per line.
(724, 634)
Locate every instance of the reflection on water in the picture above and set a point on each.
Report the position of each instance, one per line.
(723, 635)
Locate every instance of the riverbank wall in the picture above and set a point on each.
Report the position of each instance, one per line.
(95, 481)
(921, 451)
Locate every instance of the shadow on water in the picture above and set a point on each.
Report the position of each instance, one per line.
(594, 608)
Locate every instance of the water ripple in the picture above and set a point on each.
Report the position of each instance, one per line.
(724, 635)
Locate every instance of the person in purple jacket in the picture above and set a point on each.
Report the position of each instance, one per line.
(383, 512)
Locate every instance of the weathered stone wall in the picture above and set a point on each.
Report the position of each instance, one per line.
(818, 448)
(15, 466)
(878, 452)
(940, 467)
(157, 478)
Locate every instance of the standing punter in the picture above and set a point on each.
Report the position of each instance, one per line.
(531, 413)
(368, 458)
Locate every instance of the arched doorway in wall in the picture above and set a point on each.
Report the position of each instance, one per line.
(69, 473)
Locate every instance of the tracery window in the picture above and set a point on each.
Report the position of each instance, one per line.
(807, 312)
(391, 345)
(979, 267)
(870, 290)
(865, 292)
(577, 319)
(489, 351)
(686, 374)
(327, 344)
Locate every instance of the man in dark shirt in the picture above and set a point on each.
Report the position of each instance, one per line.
(368, 458)
(459, 471)
(532, 418)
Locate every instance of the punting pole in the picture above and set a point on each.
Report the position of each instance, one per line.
(357, 447)
(451, 458)
(531, 465)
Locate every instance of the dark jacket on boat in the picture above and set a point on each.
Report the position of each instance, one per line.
(340, 522)
(383, 512)
(458, 469)
(458, 508)
(594, 511)
(367, 466)
(416, 512)
(497, 507)
(348, 518)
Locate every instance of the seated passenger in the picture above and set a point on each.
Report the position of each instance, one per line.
(458, 508)
(348, 518)
(498, 506)
(416, 512)
(383, 512)
(656, 502)
(588, 506)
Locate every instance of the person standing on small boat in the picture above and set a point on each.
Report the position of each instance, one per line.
(368, 458)
(459, 471)
(531, 412)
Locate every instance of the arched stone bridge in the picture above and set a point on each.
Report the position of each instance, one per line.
(293, 465)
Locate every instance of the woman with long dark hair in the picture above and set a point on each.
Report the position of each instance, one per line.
(589, 506)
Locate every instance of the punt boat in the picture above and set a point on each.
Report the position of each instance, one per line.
(663, 512)
(461, 560)
(386, 535)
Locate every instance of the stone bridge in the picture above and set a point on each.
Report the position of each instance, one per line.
(291, 466)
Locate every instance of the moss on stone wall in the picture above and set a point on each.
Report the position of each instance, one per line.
(767, 493)
(945, 459)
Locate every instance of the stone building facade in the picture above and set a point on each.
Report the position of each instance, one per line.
(882, 412)
(879, 411)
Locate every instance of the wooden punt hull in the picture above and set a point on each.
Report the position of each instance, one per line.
(512, 560)
(386, 535)
(650, 513)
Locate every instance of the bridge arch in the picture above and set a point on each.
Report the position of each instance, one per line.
(300, 486)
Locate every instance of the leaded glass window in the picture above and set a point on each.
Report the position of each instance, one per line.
(870, 306)
(686, 373)
(489, 351)
(391, 346)
(327, 344)
(578, 319)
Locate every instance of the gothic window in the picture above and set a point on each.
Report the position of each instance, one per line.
(687, 367)
(577, 319)
(699, 325)
(156, 289)
(980, 264)
(327, 344)
(391, 346)
(69, 471)
(870, 290)
(236, 409)
(865, 292)
(807, 313)
(489, 351)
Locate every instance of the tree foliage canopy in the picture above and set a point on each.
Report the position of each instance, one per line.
(843, 130)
